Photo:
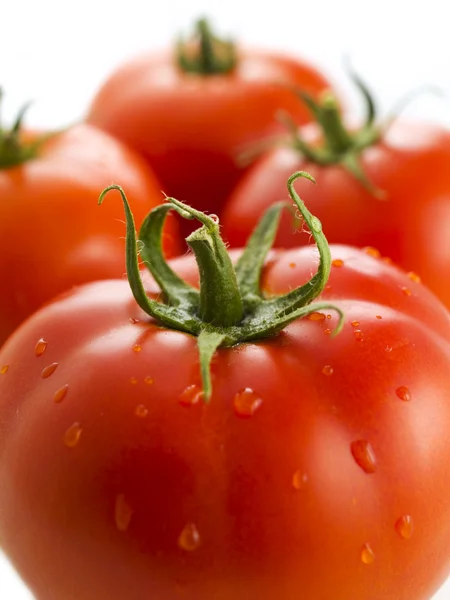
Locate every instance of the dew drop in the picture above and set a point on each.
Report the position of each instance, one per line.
(133, 380)
(134, 320)
(327, 370)
(414, 277)
(364, 455)
(406, 291)
(337, 262)
(405, 527)
(355, 323)
(149, 380)
(403, 393)
(4, 369)
(328, 316)
(72, 435)
(292, 265)
(122, 513)
(60, 394)
(371, 251)
(327, 331)
(246, 403)
(49, 370)
(189, 538)
(299, 480)
(40, 347)
(191, 395)
(378, 317)
(359, 336)
(367, 554)
(137, 348)
(141, 411)
(316, 316)
(388, 349)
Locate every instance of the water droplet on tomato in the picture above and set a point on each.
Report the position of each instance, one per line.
(191, 395)
(137, 348)
(403, 393)
(364, 455)
(149, 380)
(316, 316)
(292, 265)
(189, 538)
(122, 513)
(337, 262)
(378, 317)
(406, 291)
(49, 370)
(299, 480)
(60, 394)
(72, 435)
(40, 347)
(246, 403)
(4, 369)
(359, 336)
(367, 554)
(405, 527)
(133, 380)
(327, 370)
(134, 320)
(414, 277)
(355, 323)
(327, 331)
(388, 349)
(371, 251)
(141, 411)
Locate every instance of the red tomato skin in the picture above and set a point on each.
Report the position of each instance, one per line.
(192, 128)
(103, 518)
(410, 225)
(53, 235)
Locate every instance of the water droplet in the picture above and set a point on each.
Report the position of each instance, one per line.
(191, 395)
(327, 331)
(40, 347)
(189, 538)
(246, 403)
(4, 369)
(141, 411)
(371, 251)
(337, 262)
(328, 288)
(405, 527)
(292, 265)
(367, 554)
(378, 317)
(214, 217)
(72, 435)
(316, 224)
(137, 348)
(414, 277)
(49, 370)
(355, 323)
(316, 316)
(388, 349)
(328, 316)
(133, 380)
(122, 513)
(327, 370)
(406, 291)
(149, 380)
(60, 394)
(134, 320)
(364, 455)
(359, 336)
(403, 393)
(299, 480)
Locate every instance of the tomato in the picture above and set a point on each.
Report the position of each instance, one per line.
(52, 233)
(318, 469)
(402, 207)
(192, 122)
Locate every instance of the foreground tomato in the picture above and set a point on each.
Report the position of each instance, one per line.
(192, 111)
(318, 469)
(52, 234)
(390, 190)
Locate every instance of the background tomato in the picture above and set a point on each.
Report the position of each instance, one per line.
(52, 233)
(318, 470)
(192, 126)
(409, 223)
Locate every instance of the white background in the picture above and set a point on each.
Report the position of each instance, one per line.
(56, 53)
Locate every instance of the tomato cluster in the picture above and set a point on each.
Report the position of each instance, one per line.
(266, 421)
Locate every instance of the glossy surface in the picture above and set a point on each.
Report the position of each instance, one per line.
(206, 501)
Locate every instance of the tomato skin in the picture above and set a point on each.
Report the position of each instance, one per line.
(102, 519)
(409, 225)
(192, 128)
(53, 235)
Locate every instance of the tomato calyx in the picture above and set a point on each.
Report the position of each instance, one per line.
(205, 53)
(229, 308)
(13, 150)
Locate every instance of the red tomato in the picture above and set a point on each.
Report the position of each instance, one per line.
(53, 235)
(410, 223)
(319, 468)
(193, 126)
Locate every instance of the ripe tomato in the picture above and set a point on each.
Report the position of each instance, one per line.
(52, 233)
(192, 121)
(319, 468)
(408, 221)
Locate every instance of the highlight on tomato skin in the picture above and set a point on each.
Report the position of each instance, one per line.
(52, 236)
(314, 465)
(193, 110)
